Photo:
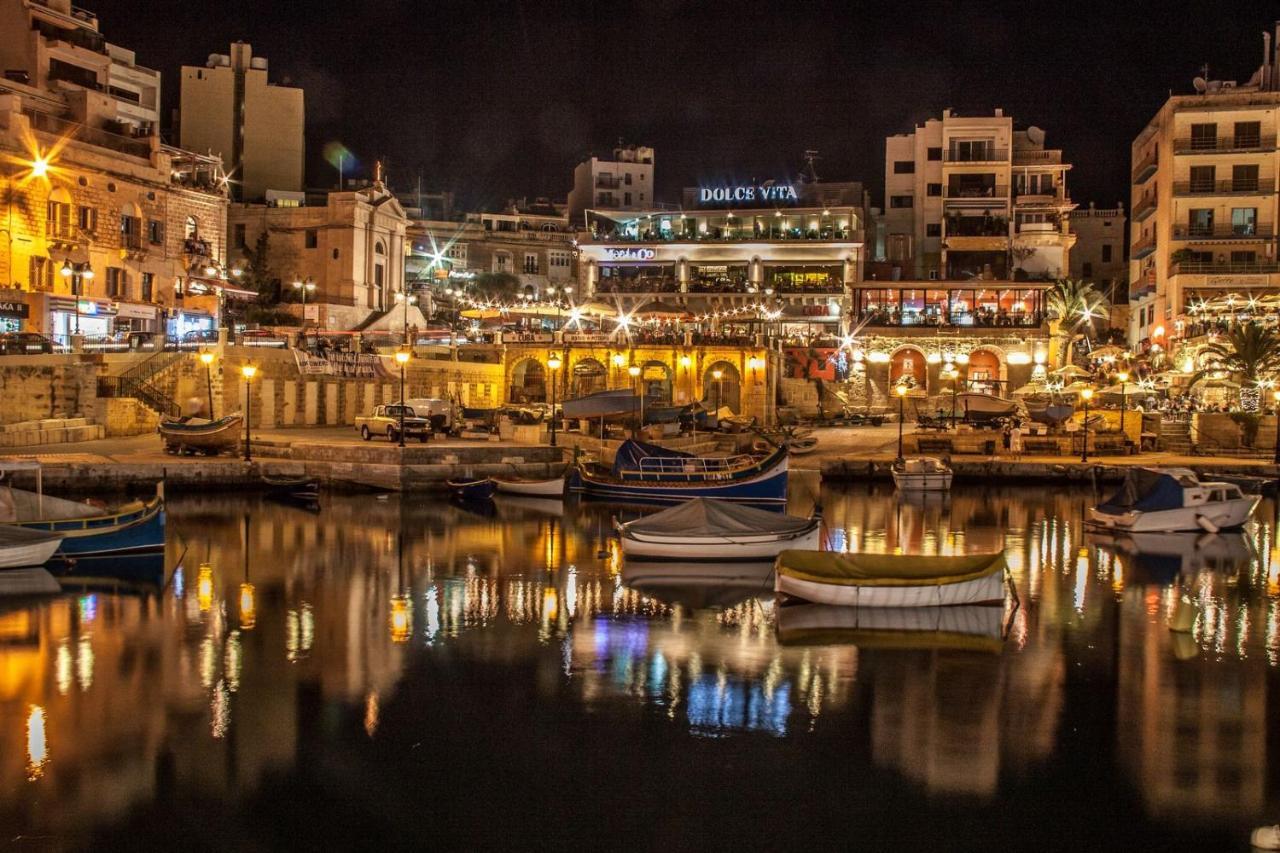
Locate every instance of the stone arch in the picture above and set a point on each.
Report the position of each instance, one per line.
(588, 376)
(986, 371)
(191, 228)
(727, 391)
(528, 382)
(655, 381)
(908, 361)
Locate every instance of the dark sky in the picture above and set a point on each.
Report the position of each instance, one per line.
(500, 99)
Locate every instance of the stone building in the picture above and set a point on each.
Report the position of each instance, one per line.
(623, 183)
(1099, 256)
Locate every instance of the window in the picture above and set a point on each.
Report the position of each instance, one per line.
(1202, 179)
(1248, 134)
(1106, 253)
(626, 199)
(934, 153)
(335, 254)
(1244, 220)
(41, 274)
(155, 232)
(904, 167)
(130, 231)
(58, 223)
(87, 218)
(1244, 179)
(115, 282)
(531, 263)
(1200, 221)
(1087, 270)
(626, 178)
(239, 235)
(502, 262)
(192, 230)
(177, 287)
(900, 201)
(311, 238)
(972, 150)
(933, 229)
(1244, 257)
(148, 287)
(933, 189)
(1204, 136)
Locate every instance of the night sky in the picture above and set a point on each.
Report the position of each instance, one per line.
(500, 99)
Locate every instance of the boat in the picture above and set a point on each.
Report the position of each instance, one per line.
(710, 529)
(201, 435)
(984, 408)
(22, 547)
(299, 487)
(922, 474)
(698, 586)
(890, 580)
(647, 473)
(551, 487)
(1052, 414)
(800, 444)
(473, 490)
(602, 404)
(1161, 500)
(966, 627)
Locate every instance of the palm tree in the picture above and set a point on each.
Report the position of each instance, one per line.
(1251, 352)
(1076, 306)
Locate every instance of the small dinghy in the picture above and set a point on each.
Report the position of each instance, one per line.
(922, 474)
(552, 487)
(966, 628)
(1165, 500)
(709, 529)
(199, 435)
(22, 547)
(473, 490)
(890, 580)
(297, 487)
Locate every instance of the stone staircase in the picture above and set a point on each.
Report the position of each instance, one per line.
(1175, 437)
(138, 382)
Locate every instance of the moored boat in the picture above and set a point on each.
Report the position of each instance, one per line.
(922, 474)
(1157, 500)
(297, 487)
(473, 490)
(200, 435)
(545, 488)
(22, 547)
(602, 404)
(971, 627)
(645, 473)
(709, 529)
(890, 580)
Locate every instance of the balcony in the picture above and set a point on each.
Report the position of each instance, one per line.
(139, 147)
(1224, 268)
(604, 182)
(1037, 158)
(1238, 233)
(1146, 167)
(1143, 247)
(1143, 286)
(987, 154)
(879, 318)
(1144, 208)
(1263, 185)
(724, 234)
(998, 191)
(644, 284)
(1042, 199)
(975, 226)
(1224, 144)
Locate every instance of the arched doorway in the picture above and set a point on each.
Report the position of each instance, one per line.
(727, 391)
(655, 381)
(983, 372)
(907, 363)
(589, 376)
(529, 382)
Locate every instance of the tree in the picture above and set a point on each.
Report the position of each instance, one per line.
(258, 274)
(498, 286)
(1076, 306)
(1251, 352)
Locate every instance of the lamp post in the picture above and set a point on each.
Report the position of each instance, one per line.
(718, 375)
(78, 273)
(617, 360)
(206, 358)
(1123, 376)
(1275, 395)
(950, 372)
(901, 391)
(756, 364)
(1086, 395)
(304, 287)
(247, 371)
(554, 363)
(402, 358)
(634, 372)
(407, 300)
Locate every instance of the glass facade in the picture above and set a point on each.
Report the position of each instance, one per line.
(954, 306)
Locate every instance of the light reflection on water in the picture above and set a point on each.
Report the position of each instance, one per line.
(215, 676)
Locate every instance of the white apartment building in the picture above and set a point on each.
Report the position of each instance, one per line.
(1204, 207)
(623, 183)
(970, 197)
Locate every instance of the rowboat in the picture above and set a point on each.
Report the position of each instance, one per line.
(890, 580)
(297, 487)
(969, 627)
(801, 444)
(200, 435)
(1157, 500)
(646, 473)
(922, 474)
(473, 490)
(708, 529)
(982, 408)
(550, 487)
(22, 547)
(602, 404)
(699, 585)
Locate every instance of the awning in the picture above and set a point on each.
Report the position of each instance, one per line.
(136, 311)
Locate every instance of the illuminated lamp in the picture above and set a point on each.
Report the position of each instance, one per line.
(962, 358)
(933, 357)
(1188, 365)
(1158, 332)
(1039, 357)
(1019, 358)
(878, 357)
(858, 355)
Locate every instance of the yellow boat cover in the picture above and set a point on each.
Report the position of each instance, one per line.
(832, 567)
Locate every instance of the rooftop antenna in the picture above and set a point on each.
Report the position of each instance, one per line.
(810, 173)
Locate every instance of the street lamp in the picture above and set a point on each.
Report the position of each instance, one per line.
(952, 372)
(1275, 395)
(617, 360)
(634, 372)
(757, 364)
(901, 391)
(717, 375)
(407, 300)
(554, 364)
(247, 371)
(1123, 376)
(1086, 395)
(402, 358)
(305, 287)
(78, 273)
(206, 358)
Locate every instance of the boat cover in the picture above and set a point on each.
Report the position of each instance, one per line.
(1144, 490)
(712, 517)
(631, 452)
(886, 569)
(601, 404)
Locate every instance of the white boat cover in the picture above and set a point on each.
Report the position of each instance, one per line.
(711, 517)
(17, 505)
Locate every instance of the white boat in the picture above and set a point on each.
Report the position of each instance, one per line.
(890, 580)
(922, 474)
(22, 547)
(972, 627)
(710, 529)
(548, 488)
(1163, 500)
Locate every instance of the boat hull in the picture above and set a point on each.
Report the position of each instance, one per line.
(763, 483)
(535, 488)
(475, 490)
(32, 580)
(983, 590)
(20, 547)
(762, 546)
(208, 438)
(602, 404)
(929, 481)
(1211, 517)
(138, 531)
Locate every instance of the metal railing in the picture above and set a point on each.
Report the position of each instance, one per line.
(1212, 145)
(986, 154)
(1146, 167)
(995, 191)
(1145, 206)
(47, 123)
(1222, 232)
(1262, 185)
(1224, 268)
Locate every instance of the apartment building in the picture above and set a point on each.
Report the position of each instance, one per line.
(1099, 256)
(623, 183)
(1204, 206)
(230, 108)
(971, 197)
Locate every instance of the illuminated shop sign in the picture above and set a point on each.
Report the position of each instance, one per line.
(748, 194)
(629, 254)
(9, 308)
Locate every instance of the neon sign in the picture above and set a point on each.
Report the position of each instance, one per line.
(629, 254)
(748, 194)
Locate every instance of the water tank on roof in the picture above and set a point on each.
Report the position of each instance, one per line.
(217, 60)
(258, 63)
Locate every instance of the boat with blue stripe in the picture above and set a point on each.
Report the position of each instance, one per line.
(647, 473)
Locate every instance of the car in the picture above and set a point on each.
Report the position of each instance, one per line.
(386, 420)
(436, 410)
(197, 338)
(25, 343)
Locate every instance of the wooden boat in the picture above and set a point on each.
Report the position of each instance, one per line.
(922, 474)
(983, 408)
(645, 473)
(890, 580)
(297, 487)
(1053, 414)
(552, 487)
(473, 490)
(709, 529)
(700, 585)
(1161, 500)
(801, 444)
(971, 627)
(22, 547)
(200, 435)
(602, 404)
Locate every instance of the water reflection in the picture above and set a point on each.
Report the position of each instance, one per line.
(276, 633)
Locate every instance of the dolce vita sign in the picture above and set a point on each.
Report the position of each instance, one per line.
(748, 194)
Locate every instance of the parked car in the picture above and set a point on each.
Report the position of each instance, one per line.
(198, 338)
(24, 343)
(385, 420)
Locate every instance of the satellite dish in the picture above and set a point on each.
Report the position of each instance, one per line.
(1035, 134)
(1200, 84)
(1213, 86)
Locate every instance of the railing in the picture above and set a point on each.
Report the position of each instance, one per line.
(1145, 206)
(1051, 196)
(1223, 232)
(1263, 185)
(1146, 167)
(719, 286)
(663, 467)
(1146, 244)
(995, 191)
(1212, 145)
(1051, 157)
(723, 234)
(149, 396)
(1030, 319)
(643, 285)
(196, 246)
(608, 184)
(987, 154)
(1225, 268)
(46, 123)
(997, 227)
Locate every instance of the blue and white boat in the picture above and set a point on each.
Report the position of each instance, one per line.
(646, 473)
